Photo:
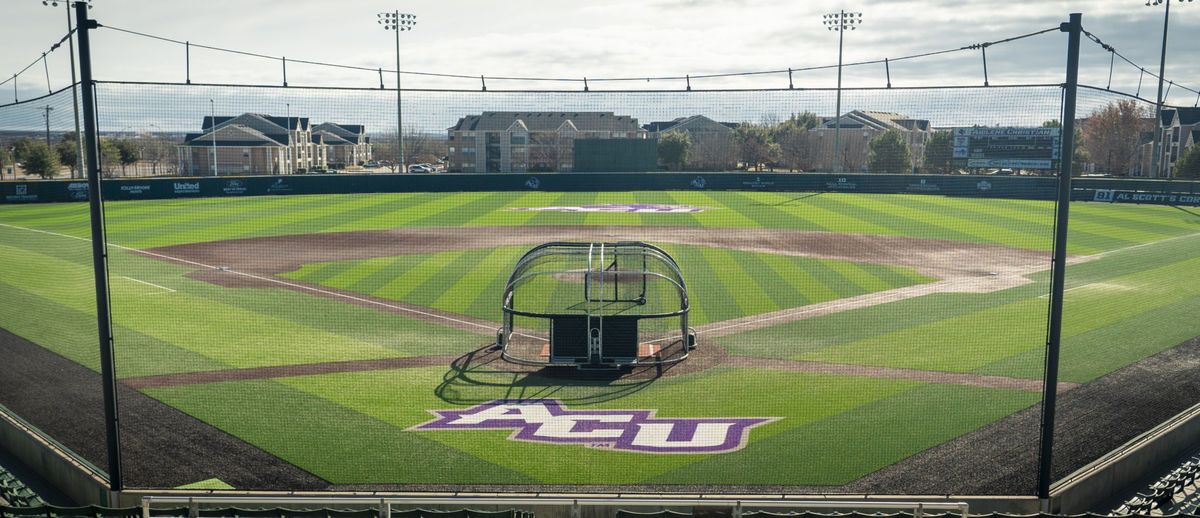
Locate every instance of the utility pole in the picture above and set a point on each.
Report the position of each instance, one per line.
(48, 109)
(840, 22)
(212, 110)
(399, 22)
(74, 94)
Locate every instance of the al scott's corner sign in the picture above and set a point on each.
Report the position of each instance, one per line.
(549, 421)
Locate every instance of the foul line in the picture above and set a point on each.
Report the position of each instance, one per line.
(168, 290)
(274, 280)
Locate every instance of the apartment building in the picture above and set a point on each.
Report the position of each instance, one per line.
(517, 142)
(713, 146)
(254, 144)
(858, 127)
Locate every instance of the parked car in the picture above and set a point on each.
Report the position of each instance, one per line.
(371, 164)
(420, 168)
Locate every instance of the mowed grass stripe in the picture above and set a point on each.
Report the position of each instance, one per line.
(458, 215)
(348, 209)
(762, 214)
(724, 215)
(345, 447)
(999, 228)
(429, 291)
(770, 282)
(793, 212)
(507, 215)
(416, 271)
(719, 304)
(388, 270)
(730, 273)
(841, 448)
(898, 222)
(210, 225)
(1041, 223)
(417, 207)
(473, 281)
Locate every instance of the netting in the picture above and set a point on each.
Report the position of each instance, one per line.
(307, 285)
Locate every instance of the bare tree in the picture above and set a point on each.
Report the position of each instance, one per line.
(1112, 136)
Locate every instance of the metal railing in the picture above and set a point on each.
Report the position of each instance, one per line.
(385, 504)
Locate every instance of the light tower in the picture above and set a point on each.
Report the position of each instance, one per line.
(1156, 157)
(840, 22)
(399, 22)
(78, 166)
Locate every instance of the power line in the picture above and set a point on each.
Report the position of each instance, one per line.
(1115, 52)
(40, 57)
(582, 79)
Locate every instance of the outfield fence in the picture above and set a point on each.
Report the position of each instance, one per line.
(292, 310)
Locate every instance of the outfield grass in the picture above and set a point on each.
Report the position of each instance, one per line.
(1019, 223)
(1139, 298)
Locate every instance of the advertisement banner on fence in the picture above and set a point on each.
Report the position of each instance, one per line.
(1154, 198)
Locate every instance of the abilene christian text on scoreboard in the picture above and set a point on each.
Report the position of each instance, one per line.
(1009, 147)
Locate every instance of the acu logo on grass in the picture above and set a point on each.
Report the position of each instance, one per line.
(548, 421)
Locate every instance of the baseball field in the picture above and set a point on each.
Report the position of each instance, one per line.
(839, 334)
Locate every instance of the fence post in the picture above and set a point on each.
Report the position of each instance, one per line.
(99, 247)
(1058, 273)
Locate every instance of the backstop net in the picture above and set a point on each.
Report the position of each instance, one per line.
(307, 290)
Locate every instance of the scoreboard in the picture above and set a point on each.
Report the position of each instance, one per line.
(1014, 148)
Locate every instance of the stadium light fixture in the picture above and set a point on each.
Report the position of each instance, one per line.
(78, 166)
(398, 22)
(840, 22)
(1156, 155)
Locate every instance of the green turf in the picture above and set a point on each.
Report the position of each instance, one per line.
(1119, 308)
(1137, 299)
(1021, 223)
(723, 284)
(815, 413)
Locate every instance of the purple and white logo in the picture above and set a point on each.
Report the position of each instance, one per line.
(548, 421)
(639, 208)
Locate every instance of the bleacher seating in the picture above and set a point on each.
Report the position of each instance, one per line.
(48, 511)
(14, 492)
(1172, 494)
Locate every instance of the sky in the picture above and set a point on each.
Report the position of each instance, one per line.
(602, 38)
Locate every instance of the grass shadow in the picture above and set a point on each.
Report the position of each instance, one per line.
(798, 198)
(482, 375)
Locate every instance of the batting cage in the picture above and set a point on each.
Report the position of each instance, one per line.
(624, 303)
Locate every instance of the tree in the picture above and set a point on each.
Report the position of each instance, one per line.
(939, 153)
(41, 160)
(1112, 136)
(67, 151)
(1081, 152)
(755, 145)
(889, 154)
(128, 153)
(1188, 164)
(673, 149)
(20, 148)
(6, 160)
(795, 143)
(110, 156)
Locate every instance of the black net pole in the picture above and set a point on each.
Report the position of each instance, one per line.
(99, 248)
(1058, 273)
